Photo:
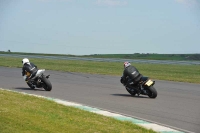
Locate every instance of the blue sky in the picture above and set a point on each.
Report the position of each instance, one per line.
(83, 27)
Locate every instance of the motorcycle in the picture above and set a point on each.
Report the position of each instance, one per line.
(144, 87)
(40, 81)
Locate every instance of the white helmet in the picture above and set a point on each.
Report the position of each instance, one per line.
(126, 64)
(25, 60)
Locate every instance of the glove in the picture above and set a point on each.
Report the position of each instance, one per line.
(26, 78)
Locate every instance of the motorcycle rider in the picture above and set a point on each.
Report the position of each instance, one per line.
(131, 76)
(28, 71)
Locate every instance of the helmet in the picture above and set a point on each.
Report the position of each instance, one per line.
(126, 64)
(25, 60)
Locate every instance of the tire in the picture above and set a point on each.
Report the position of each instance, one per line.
(47, 84)
(152, 92)
(131, 92)
(32, 87)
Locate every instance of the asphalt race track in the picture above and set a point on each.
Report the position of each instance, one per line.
(177, 104)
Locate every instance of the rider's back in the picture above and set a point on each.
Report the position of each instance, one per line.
(29, 68)
(132, 73)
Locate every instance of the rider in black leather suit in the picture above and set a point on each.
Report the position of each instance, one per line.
(131, 75)
(28, 70)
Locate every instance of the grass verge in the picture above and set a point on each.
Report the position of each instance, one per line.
(28, 114)
(182, 73)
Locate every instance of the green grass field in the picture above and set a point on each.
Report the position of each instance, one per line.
(181, 73)
(27, 114)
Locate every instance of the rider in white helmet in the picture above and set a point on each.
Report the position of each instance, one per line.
(130, 74)
(28, 71)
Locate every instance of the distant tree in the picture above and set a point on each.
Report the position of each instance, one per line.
(9, 50)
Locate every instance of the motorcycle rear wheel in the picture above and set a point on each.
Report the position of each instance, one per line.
(47, 84)
(152, 92)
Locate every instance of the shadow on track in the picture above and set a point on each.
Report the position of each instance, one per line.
(128, 95)
(36, 89)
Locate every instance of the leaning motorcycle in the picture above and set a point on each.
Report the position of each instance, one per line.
(40, 81)
(144, 87)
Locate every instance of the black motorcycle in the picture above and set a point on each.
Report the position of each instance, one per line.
(40, 81)
(144, 87)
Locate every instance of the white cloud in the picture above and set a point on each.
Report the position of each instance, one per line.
(112, 2)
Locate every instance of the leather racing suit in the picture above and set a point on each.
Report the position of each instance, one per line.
(29, 69)
(130, 76)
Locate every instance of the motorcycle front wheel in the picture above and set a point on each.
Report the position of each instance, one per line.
(131, 92)
(31, 86)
